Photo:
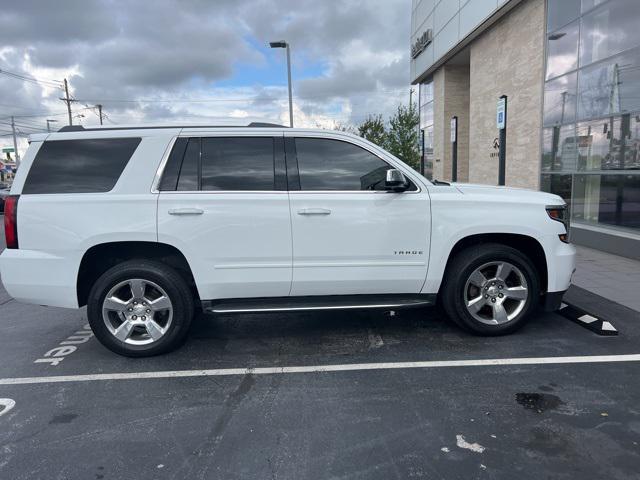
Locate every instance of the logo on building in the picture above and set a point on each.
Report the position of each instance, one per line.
(496, 148)
(421, 43)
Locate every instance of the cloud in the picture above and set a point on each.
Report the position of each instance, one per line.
(171, 60)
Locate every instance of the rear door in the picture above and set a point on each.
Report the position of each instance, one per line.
(350, 236)
(223, 203)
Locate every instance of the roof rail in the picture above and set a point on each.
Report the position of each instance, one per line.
(82, 128)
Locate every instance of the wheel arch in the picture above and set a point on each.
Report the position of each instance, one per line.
(99, 258)
(526, 244)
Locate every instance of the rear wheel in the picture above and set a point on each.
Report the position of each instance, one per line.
(490, 289)
(140, 308)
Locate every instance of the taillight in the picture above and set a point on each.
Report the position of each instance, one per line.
(11, 220)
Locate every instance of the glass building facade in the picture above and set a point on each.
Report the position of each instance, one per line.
(426, 126)
(591, 113)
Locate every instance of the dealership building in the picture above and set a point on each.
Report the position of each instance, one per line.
(568, 72)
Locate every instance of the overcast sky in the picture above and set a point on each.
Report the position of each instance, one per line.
(203, 60)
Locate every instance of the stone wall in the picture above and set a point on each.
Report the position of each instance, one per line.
(508, 59)
(451, 83)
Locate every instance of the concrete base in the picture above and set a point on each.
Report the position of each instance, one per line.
(618, 243)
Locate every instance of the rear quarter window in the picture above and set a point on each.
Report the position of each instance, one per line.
(79, 166)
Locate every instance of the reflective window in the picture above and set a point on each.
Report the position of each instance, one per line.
(589, 4)
(607, 199)
(562, 50)
(188, 176)
(237, 163)
(79, 166)
(326, 164)
(558, 185)
(591, 139)
(428, 151)
(426, 115)
(609, 30)
(610, 87)
(426, 104)
(610, 144)
(560, 100)
(426, 92)
(172, 168)
(559, 149)
(561, 12)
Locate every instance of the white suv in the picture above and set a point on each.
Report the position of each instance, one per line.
(147, 225)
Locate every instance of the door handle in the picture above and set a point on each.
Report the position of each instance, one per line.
(186, 211)
(314, 211)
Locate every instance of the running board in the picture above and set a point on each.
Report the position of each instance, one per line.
(333, 302)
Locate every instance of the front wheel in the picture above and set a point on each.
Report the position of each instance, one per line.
(140, 308)
(490, 289)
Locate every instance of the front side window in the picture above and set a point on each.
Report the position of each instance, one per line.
(326, 164)
(79, 166)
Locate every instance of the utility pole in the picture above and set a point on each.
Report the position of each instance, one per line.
(411, 99)
(100, 112)
(67, 100)
(15, 143)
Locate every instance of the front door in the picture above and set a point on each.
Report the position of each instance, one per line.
(223, 203)
(350, 236)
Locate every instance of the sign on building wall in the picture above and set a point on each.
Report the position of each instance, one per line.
(500, 114)
(421, 43)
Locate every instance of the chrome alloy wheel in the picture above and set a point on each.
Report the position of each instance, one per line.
(496, 292)
(137, 311)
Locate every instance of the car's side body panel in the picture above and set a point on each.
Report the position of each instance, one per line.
(457, 215)
(254, 244)
(240, 246)
(55, 230)
(362, 241)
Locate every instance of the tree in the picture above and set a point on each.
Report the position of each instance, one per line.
(344, 127)
(402, 138)
(373, 129)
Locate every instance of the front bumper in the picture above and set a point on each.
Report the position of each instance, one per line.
(551, 301)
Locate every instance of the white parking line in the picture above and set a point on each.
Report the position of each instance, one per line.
(322, 368)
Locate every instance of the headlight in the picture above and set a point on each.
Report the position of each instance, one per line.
(560, 213)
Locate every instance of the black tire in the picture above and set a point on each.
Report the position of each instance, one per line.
(181, 297)
(460, 269)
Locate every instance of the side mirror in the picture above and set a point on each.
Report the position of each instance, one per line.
(396, 181)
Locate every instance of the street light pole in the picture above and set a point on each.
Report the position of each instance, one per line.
(15, 143)
(285, 45)
(289, 81)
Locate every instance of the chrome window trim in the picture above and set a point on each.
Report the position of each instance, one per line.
(155, 186)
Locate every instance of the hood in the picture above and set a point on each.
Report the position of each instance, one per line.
(509, 193)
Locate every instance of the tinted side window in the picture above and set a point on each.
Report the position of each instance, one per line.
(326, 164)
(188, 177)
(237, 163)
(79, 166)
(172, 168)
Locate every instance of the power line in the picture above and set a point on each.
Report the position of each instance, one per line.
(378, 92)
(33, 80)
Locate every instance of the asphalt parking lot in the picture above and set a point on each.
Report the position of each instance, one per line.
(407, 396)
